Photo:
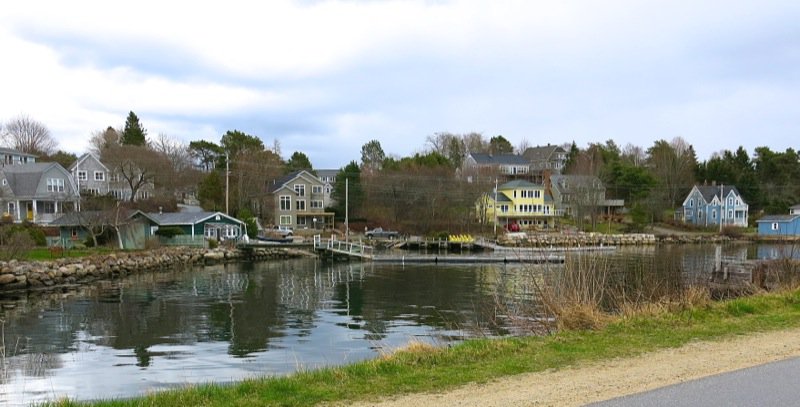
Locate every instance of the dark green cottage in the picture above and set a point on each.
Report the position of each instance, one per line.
(198, 225)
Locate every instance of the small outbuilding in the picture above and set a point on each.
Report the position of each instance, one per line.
(779, 225)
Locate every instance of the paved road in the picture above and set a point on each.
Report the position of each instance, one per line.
(773, 384)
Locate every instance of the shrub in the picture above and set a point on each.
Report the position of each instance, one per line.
(213, 243)
(169, 231)
(732, 232)
(17, 244)
(37, 235)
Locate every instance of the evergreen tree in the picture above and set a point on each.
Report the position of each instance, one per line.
(350, 190)
(298, 161)
(133, 134)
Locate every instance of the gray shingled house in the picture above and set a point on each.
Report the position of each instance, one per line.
(37, 192)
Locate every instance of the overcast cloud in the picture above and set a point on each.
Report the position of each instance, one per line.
(325, 77)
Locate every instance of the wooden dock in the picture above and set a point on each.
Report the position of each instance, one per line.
(458, 259)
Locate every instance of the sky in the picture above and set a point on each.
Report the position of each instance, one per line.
(326, 77)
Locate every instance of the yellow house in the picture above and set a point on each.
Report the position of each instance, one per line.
(521, 203)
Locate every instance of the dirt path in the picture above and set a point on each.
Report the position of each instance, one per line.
(582, 384)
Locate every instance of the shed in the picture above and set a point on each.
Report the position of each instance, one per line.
(779, 225)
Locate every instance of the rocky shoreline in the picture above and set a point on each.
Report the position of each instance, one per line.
(22, 275)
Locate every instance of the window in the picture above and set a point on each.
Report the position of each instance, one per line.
(74, 233)
(504, 208)
(328, 190)
(286, 203)
(114, 178)
(300, 204)
(316, 204)
(301, 221)
(55, 185)
(775, 226)
(300, 189)
(81, 175)
(713, 214)
(5, 182)
(691, 203)
(286, 219)
(47, 207)
(537, 194)
(730, 214)
(99, 176)
(316, 189)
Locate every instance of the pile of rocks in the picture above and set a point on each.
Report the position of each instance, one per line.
(579, 239)
(16, 275)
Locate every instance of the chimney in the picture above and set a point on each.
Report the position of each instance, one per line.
(160, 210)
(714, 183)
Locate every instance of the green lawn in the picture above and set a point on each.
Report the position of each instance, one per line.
(422, 368)
(45, 253)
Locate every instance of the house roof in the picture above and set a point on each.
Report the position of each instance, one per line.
(327, 173)
(541, 153)
(778, 218)
(4, 150)
(282, 181)
(499, 159)
(565, 183)
(81, 218)
(83, 158)
(711, 191)
(518, 183)
(23, 179)
(185, 218)
(795, 207)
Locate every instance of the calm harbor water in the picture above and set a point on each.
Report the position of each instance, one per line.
(229, 322)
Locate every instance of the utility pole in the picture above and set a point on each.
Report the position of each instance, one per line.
(227, 181)
(346, 210)
(495, 208)
(721, 206)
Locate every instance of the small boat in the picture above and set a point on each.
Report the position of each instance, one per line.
(275, 239)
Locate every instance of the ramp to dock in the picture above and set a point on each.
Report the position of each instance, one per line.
(333, 248)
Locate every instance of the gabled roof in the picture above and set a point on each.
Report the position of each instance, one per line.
(81, 218)
(711, 191)
(778, 218)
(541, 153)
(23, 179)
(186, 218)
(282, 181)
(83, 158)
(499, 159)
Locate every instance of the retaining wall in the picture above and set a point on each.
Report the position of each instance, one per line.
(16, 275)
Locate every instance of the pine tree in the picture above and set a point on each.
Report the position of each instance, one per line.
(133, 134)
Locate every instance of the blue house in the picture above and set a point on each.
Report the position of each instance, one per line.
(779, 225)
(708, 205)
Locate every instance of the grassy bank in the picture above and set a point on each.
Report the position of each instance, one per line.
(422, 368)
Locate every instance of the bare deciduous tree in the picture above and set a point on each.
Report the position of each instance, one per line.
(27, 135)
(102, 139)
(136, 166)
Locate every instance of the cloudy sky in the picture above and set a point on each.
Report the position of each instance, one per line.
(325, 77)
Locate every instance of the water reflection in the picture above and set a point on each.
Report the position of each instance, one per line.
(229, 322)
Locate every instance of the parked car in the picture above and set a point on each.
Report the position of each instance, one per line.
(379, 233)
(283, 231)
